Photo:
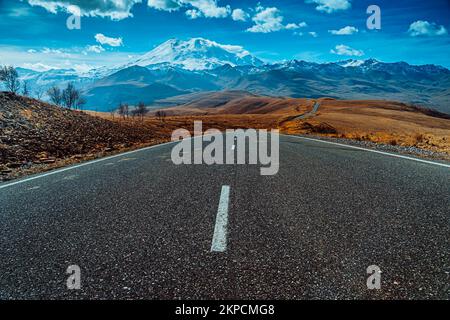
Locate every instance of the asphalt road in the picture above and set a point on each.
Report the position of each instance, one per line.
(310, 113)
(141, 227)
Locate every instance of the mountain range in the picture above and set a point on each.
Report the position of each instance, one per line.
(180, 68)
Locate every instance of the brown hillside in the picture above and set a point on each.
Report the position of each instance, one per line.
(232, 103)
(33, 132)
(378, 121)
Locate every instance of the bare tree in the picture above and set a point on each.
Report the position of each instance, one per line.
(55, 95)
(134, 112)
(141, 110)
(80, 103)
(161, 115)
(10, 78)
(112, 112)
(70, 96)
(121, 110)
(38, 93)
(25, 89)
(126, 108)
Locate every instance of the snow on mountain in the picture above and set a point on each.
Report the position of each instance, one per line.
(196, 54)
(196, 65)
(43, 80)
(350, 63)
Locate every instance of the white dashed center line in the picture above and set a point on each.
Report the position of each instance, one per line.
(219, 241)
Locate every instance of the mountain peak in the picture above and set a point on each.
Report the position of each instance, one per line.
(196, 54)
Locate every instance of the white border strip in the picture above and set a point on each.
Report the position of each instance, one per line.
(371, 150)
(219, 241)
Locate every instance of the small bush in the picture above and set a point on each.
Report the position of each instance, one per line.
(324, 128)
(419, 138)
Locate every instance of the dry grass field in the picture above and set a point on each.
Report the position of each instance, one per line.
(380, 122)
(377, 121)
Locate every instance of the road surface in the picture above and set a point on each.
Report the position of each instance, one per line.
(139, 226)
(310, 113)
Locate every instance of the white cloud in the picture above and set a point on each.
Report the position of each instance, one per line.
(81, 68)
(166, 5)
(330, 6)
(348, 30)
(95, 48)
(301, 34)
(193, 14)
(239, 15)
(40, 67)
(113, 9)
(121, 9)
(197, 8)
(60, 53)
(31, 51)
(269, 20)
(67, 58)
(18, 12)
(209, 8)
(53, 51)
(344, 50)
(113, 42)
(425, 28)
(293, 26)
(238, 50)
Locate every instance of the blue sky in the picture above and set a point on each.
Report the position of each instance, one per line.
(33, 33)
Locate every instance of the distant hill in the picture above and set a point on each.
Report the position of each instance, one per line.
(237, 102)
(208, 99)
(242, 102)
(108, 97)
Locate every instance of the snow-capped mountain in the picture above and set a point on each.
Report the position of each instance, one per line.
(181, 67)
(195, 54)
(43, 80)
(402, 68)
